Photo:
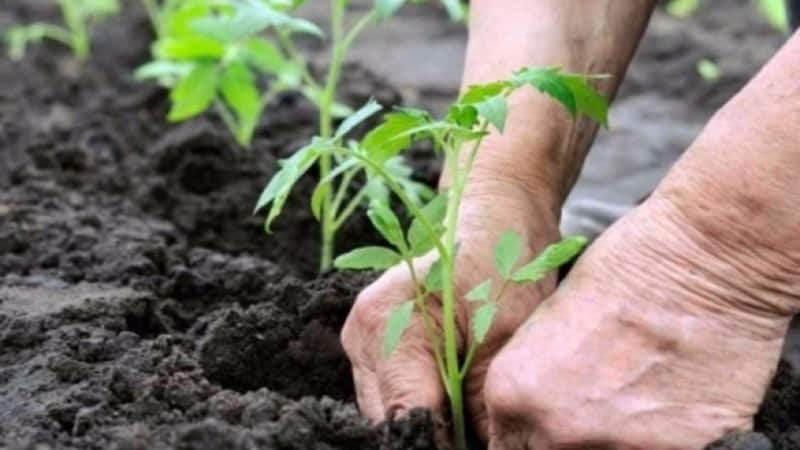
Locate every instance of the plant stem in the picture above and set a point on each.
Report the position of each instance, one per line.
(326, 128)
(78, 31)
(340, 44)
(449, 325)
(151, 8)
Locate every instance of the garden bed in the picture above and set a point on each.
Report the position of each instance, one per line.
(143, 307)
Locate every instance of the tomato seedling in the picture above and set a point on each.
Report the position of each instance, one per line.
(433, 228)
(79, 17)
(237, 55)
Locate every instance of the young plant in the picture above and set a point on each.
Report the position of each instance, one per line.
(79, 17)
(237, 55)
(433, 227)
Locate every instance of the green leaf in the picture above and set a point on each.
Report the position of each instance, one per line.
(264, 55)
(365, 112)
(481, 292)
(550, 81)
(421, 241)
(162, 70)
(480, 92)
(387, 8)
(482, 321)
(507, 252)
(494, 110)
(775, 13)
(390, 138)
(456, 9)
(325, 184)
(553, 257)
(465, 116)
(374, 258)
(708, 70)
(194, 93)
(280, 20)
(588, 100)
(682, 8)
(189, 48)
(386, 222)
(238, 87)
(396, 325)
(433, 280)
(279, 187)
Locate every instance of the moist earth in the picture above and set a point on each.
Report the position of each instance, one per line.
(143, 307)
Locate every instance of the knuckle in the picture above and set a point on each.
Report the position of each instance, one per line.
(504, 394)
(364, 320)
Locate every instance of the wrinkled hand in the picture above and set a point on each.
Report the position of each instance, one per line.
(651, 343)
(410, 377)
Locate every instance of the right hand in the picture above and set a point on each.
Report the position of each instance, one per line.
(410, 378)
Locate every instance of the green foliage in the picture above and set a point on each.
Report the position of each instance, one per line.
(682, 8)
(708, 70)
(79, 17)
(396, 325)
(433, 226)
(481, 292)
(775, 12)
(372, 258)
(507, 253)
(216, 54)
(553, 257)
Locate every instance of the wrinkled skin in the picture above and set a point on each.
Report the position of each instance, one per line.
(629, 353)
(410, 378)
(668, 330)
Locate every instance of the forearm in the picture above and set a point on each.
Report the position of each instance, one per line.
(542, 149)
(737, 188)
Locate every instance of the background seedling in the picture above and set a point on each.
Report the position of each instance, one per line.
(79, 17)
(237, 55)
(433, 227)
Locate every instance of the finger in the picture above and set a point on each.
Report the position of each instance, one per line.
(518, 305)
(368, 394)
(409, 377)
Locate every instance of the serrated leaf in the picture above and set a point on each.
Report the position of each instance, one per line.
(189, 48)
(264, 55)
(373, 258)
(481, 292)
(549, 81)
(279, 187)
(388, 139)
(553, 257)
(494, 110)
(507, 253)
(396, 324)
(482, 321)
(433, 280)
(238, 88)
(465, 116)
(194, 93)
(387, 8)
(682, 8)
(162, 69)
(388, 225)
(477, 93)
(418, 239)
(587, 100)
(363, 113)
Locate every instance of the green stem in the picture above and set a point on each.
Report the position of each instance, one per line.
(427, 322)
(449, 325)
(349, 209)
(79, 33)
(340, 45)
(151, 8)
(326, 128)
(294, 55)
(400, 193)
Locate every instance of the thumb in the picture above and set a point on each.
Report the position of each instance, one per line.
(409, 377)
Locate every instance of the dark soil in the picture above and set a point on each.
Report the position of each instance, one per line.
(141, 304)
